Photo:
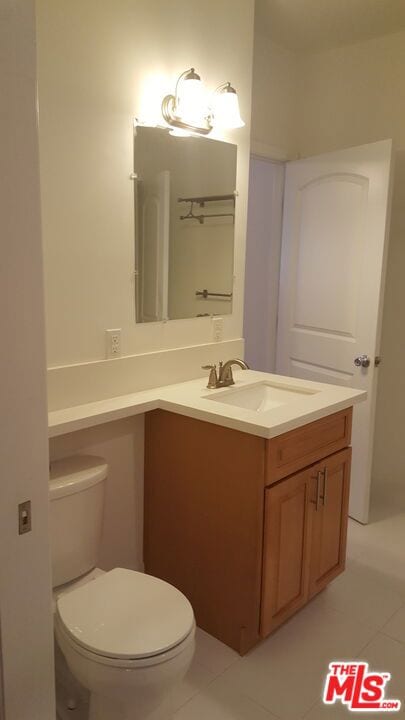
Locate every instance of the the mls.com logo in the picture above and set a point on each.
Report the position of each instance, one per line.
(352, 684)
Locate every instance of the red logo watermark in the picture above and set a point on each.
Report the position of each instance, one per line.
(352, 684)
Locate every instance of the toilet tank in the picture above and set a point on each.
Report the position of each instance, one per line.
(76, 493)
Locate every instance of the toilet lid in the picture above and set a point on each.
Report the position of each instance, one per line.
(126, 614)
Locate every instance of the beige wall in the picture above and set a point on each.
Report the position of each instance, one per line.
(101, 64)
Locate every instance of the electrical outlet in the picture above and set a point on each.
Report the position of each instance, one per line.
(217, 329)
(113, 343)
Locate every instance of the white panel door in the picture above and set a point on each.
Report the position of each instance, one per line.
(336, 215)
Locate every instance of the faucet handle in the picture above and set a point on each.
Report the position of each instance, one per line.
(213, 378)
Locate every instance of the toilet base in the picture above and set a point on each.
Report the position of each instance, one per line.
(141, 689)
(72, 699)
(102, 708)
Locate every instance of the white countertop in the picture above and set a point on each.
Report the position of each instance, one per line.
(192, 399)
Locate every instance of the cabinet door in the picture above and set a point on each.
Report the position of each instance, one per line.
(329, 520)
(286, 551)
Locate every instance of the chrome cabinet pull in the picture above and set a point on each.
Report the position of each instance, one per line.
(325, 485)
(318, 486)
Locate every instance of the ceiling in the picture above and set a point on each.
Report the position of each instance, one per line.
(312, 25)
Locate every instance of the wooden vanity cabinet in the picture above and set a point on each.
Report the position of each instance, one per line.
(249, 529)
(304, 539)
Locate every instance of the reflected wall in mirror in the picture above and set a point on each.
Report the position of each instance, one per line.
(184, 225)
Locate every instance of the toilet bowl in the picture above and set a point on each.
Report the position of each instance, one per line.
(126, 636)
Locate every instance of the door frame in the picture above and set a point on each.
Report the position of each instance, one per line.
(271, 155)
(273, 277)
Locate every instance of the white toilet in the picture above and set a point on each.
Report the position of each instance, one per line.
(127, 637)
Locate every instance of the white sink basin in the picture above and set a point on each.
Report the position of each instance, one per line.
(260, 397)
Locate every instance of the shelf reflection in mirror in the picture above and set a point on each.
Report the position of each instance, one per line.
(185, 197)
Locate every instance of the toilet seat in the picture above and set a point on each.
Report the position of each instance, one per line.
(125, 617)
(64, 639)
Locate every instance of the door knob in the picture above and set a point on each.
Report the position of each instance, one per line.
(362, 361)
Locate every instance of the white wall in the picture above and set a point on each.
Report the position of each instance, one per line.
(274, 99)
(274, 135)
(101, 64)
(263, 246)
(389, 456)
(25, 594)
(352, 95)
(121, 444)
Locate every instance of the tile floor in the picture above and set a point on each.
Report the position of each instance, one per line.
(361, 615)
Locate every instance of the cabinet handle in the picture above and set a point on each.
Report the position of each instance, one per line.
(325, 485)
(318, 485)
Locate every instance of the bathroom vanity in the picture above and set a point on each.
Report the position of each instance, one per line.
(248, 528)
(246, 493)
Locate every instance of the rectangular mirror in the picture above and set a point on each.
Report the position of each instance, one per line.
(184, 225)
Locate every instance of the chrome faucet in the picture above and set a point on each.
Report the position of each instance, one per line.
(224, 377)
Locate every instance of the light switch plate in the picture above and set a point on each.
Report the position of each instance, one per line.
(24, 517)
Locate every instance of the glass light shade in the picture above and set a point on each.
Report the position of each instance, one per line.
(226, 109)
(191, 102)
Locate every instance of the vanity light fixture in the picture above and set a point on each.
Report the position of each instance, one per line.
(226, 108)
(188, 110)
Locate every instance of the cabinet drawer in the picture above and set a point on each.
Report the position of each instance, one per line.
(306, 445)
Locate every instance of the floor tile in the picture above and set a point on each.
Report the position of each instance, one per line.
(65, 692)
(222, 700)
(285, 674)
(395, 627)
(213, 654)
(197, 678)
(379, 545)
(355, 544)
(385, 654)
(363, 593)
(333, 712)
